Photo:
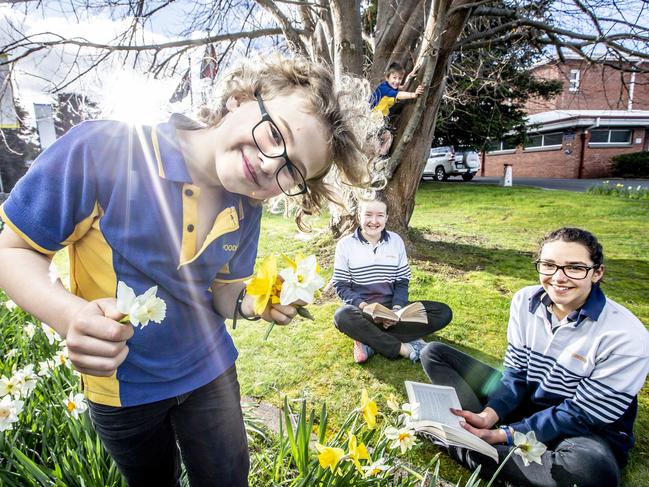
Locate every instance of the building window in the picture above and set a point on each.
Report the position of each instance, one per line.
(575, 74)
(610, 137)
(502, 145)
(544, 141)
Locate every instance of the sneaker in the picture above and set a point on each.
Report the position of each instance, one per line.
(416, 346)
(362, 352)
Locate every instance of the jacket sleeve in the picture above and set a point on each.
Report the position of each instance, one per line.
(342, 277)
(402, 277)
(513, 387)
(600, 399)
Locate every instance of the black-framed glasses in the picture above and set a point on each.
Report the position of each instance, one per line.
(270, 142)
(573, 271)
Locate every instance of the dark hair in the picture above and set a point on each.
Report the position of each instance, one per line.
(577, 235)
(394, 68)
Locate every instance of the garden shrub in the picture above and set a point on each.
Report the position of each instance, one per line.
(635, 165)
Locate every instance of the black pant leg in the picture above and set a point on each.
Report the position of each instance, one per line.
(351, 321)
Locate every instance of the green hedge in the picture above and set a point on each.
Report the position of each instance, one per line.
(634, 165)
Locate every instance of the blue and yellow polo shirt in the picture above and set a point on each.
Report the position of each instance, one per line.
(383, 98)
(120, 198)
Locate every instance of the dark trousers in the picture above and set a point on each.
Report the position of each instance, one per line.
(352, 322)
(583, 460)
(205, 426)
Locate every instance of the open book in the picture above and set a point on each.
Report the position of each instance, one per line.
(435, 418)
(413, 312)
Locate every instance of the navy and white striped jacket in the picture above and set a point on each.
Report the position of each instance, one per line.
(378, 274)
(583, 379)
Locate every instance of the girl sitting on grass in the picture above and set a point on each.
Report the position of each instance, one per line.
(574, 365)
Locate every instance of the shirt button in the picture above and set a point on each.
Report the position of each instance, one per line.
(189, 192)
(190, 228)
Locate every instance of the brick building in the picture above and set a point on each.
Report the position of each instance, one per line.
(602, 112)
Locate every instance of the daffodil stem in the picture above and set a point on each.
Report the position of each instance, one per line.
(268, 330)
(502, 464)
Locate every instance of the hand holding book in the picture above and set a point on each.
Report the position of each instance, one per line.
(414, 312)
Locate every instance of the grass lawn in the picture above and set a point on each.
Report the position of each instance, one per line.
(474, 247)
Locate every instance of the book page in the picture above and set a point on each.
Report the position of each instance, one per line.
(413, 312)
(434, 402)
(377, 310)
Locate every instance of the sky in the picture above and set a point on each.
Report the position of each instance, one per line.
(121, 91)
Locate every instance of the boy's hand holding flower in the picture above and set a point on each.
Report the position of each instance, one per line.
(278, 295)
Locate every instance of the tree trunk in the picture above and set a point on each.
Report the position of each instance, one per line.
(348, 39)
(417, 121)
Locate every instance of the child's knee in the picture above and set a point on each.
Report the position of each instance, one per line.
(343, 316)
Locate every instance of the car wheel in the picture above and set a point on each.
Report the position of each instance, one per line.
(468, 176)
(440, 174)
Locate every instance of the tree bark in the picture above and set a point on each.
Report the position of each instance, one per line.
(348, 39)
(417, 121)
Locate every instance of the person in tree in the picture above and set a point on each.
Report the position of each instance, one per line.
(386, 95)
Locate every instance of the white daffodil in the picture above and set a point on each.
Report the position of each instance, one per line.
(75, 404)
(393, 403)
(10, 386)
(27, 379)
(30, 330)
(140, 309)
(62, 356)
(377, 468)
(11, 353)
(409, 412)
(10, 305)
(45, 367)
(9, 411)
(51, 334)
(300, 283)
(403, 438)
(528, 447)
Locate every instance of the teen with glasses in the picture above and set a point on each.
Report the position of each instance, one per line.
(574, 365)
(177, 206)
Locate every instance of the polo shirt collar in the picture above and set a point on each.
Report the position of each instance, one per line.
(385, 236)
(592, 308)
(164, 141)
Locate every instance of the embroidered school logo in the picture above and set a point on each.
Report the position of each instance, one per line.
(576, 356)
(230, 247)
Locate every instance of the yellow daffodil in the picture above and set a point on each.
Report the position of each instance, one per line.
(263, 286)
(369, 410)
(357, 452)
(329, 456)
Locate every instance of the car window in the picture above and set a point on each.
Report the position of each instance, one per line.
(440, 150)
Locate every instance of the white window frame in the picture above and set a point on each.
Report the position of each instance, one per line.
(574, 80)
(613, 144)
(543, 145)
(501, 143)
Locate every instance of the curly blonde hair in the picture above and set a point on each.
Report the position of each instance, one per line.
(340, 103)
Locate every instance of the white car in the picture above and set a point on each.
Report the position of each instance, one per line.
(444, 162)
